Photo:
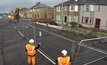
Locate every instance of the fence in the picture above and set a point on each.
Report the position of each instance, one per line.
(86, 52)
(52, 44)
(90, 50)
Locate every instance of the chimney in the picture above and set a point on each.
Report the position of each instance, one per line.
(38, 3)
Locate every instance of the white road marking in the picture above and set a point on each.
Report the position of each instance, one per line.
(38, 49)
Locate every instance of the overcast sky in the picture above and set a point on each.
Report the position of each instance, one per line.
(9, 5)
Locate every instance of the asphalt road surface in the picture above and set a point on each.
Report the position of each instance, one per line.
(53, 41)
(12, 48)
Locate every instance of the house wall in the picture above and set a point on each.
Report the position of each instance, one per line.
(103, 16)
(67, 13)
(29, 14)
(96, 15)
(41, 13)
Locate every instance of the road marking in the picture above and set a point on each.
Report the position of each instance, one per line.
(46, 57)
(63, 38)
(38, 49)
(21, 34)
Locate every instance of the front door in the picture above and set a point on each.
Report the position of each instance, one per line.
(65, 19)
(97, 24)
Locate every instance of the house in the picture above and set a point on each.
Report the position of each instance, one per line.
(67, 12)
(23, 12)
(93, 14)
(40, 10)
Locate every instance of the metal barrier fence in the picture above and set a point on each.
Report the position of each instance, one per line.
(90, 50)
(86, 52)
(49, 48)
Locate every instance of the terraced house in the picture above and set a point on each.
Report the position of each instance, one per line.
(66, 12)
(93, 13)
(40, 10)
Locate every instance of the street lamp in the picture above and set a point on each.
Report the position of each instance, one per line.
(62, 14)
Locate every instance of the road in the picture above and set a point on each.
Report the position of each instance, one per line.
(12, 50)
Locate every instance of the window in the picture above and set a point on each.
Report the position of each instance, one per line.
(58, 17)
(71, 8)
(98, 8)
(71, 19)
(75, 18)
(76, 7)
(91, 7)
(91, 20)
(87, 7)
(85, 20)
(58, 9)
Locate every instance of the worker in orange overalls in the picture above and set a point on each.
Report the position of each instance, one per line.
(64, 59)
(31, 51)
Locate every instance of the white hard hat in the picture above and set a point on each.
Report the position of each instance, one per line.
(31, 41)
(64, 52)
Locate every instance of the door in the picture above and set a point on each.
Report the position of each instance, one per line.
(97, 24)
(65, 19)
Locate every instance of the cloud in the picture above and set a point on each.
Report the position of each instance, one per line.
(9, 5)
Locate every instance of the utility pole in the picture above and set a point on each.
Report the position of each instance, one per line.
(62, 15)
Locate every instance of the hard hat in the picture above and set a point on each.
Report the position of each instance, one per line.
(64, 52)
(31, 41)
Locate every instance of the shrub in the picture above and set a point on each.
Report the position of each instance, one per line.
(73, 24)
(42, 21)
(53, 23)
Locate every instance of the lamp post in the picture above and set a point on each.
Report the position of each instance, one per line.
(62, 14)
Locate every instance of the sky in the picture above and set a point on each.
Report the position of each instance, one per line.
(10, 5)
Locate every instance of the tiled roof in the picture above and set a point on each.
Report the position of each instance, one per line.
(82, 2)
(40, 6)
(96, 2)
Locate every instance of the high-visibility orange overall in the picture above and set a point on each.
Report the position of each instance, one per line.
(64, 60)
(31, 53)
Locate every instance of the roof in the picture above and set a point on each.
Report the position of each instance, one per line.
(70, 2)
(24, 9)
(40, 5)
(95, 2)
(83, 2)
